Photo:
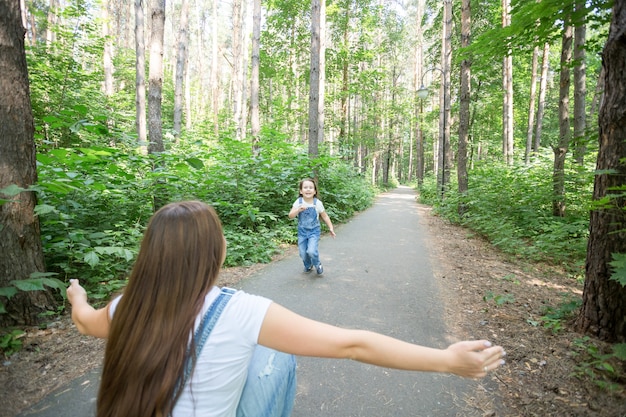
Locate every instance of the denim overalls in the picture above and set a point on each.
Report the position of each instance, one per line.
(309, 231)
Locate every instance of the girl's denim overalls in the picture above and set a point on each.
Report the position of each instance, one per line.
(309, 231)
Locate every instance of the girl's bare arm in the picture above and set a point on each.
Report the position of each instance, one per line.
(88, 320)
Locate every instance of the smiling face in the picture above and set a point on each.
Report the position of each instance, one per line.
(308, 189)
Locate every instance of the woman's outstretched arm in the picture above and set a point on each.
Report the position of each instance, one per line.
(289, 332)
(88, 320)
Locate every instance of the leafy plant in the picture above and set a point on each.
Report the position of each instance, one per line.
(36, 282)
(553, 319)
(10, 342)
(499, 299)
(602, 368)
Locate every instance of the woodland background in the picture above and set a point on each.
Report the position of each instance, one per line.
(492, 109)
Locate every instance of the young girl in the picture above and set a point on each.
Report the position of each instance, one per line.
(150, 331)
(309, 209)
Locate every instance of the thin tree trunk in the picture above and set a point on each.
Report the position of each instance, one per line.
(543, 87)
(237, 67)
(20, 240)
(446, 156)
(255, 122)
(215, 87)
(108, 50)
(464, 104)
(507, 86)
(531, 106)
(315, 78)
(560, 150)
(580, 89)
(181, 61)
(140, 77)
(155, 82)
(603, 312)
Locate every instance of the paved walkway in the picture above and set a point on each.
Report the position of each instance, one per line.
(377, 277)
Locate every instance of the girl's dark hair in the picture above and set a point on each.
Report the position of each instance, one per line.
(181, 254)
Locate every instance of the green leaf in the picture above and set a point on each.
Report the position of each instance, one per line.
(12, 190)
(619, 350)
(8, 292)
(29, 284)
(619, 268)
(91, 258)
(44, 209)
(195, 163)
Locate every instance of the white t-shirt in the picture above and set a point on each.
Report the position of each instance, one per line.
(221, 369)
(319, 207)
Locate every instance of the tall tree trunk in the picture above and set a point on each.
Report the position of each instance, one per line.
(543, 87)
(507, 87)
(316, 85)
(531, 106)
(140, 77)
(419, 65)
(464, 104)
(255, 122)
(214, 85)
(21, 253)
(155, 78)
(560, 150)
(181, 64)
(446, 154)
(603, 311)
(108, 50)
(345, 92)
(580, 89)
(237, 49)
(52, 21)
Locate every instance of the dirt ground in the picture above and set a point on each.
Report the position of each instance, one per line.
(486, 295)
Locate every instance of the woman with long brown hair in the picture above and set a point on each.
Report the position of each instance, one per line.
(151, 333)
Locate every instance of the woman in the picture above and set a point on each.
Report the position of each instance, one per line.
(150, 332)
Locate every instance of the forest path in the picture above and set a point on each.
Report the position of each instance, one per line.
(378, 276)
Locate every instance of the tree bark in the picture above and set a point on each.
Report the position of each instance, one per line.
(531, 106)
(464, 104)
(507, 87)
(560, 150)
(255, 122)
(237, 49)
(155, 78)
(108, 50)
(181, 63)
(315, 84)
(603, 312)
(140, 77)
(580, 89)
(543, 87)
(21, 252)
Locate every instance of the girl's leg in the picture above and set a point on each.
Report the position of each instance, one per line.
(312, 249)
(303, 243)
(270, 389)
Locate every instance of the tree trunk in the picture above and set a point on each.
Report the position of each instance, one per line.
(446, 155)
(580, 89)
(507, 87)
(140, 77)
(181, 63)
(255, 122)
(108, 50)
(464, 104)
(21, 253)
(214, 87)
(155, 81)
(604, 300)
(543, 87)
(315, 85)
(531, 106)
(560, 150)
(237, 67)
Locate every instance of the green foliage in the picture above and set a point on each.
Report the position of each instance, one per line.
(38, 281)
(619, 268)
(553, 319)
(604, 369)
(512, 207)
(499, 299)
(10, 342)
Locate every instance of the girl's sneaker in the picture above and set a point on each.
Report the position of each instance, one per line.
(320, 269)
(308, 270)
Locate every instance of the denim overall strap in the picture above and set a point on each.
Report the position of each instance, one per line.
(204, 329)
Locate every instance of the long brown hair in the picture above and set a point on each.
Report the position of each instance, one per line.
(181, 254)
